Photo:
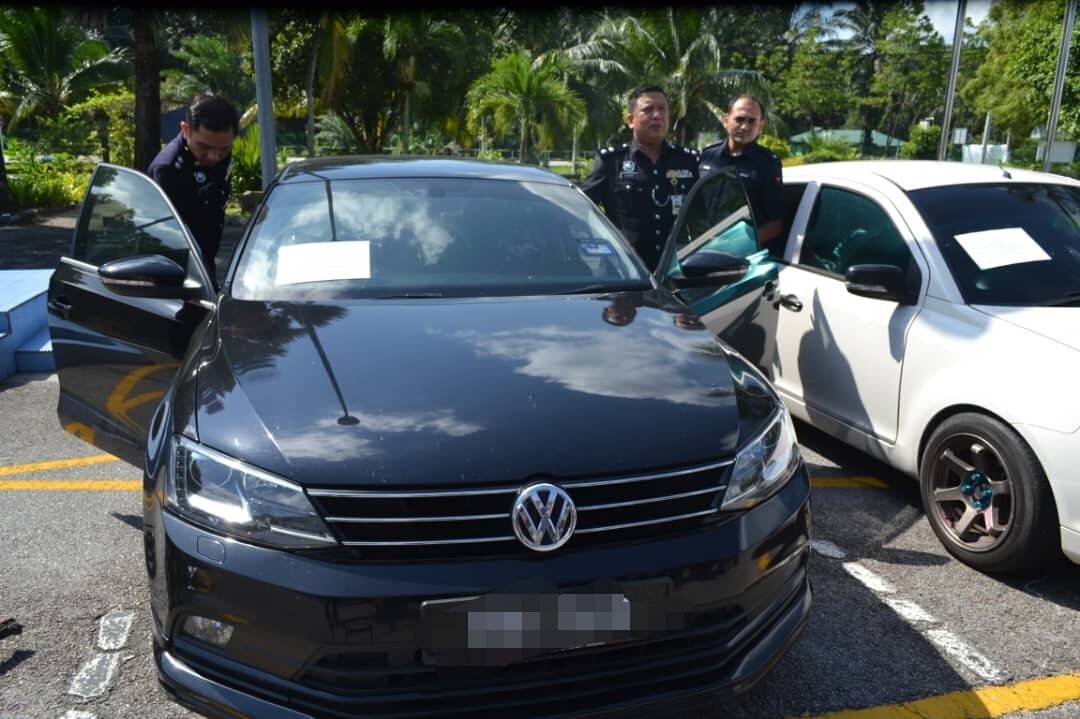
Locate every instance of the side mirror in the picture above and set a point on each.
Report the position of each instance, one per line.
(710, 268)
(880, 282)
(144, 276)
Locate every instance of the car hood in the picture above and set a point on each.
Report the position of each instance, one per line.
(421, 392)
(1061, 324)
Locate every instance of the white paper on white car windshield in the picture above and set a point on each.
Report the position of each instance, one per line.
(323, 261)
(997, 248)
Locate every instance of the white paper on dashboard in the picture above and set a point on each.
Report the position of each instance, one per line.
(997, 248)
(322, 261)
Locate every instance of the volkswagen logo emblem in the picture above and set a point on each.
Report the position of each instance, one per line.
(544, 517)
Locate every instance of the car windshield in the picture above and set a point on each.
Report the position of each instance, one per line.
(1008, 244)
(430, 237)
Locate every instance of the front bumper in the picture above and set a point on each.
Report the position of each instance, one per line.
(315, 639)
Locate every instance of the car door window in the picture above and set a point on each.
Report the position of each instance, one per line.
(717, 217)
(125, 216)
(847, 229)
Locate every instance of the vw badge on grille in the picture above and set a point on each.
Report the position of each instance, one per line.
(544, 517)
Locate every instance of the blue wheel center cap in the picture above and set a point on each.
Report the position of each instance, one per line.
(976, 488)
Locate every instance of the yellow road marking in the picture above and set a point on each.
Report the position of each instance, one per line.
(847, 483)
(57, 464)
(985, 703)
(88, 485)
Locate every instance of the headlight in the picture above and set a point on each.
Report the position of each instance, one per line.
(764, 464)
(218, 491)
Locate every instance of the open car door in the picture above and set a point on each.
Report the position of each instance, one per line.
(122, 309)
(712, 261)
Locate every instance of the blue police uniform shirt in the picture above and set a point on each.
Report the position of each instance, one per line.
(760, 173)
(198, 193)
(640, 197)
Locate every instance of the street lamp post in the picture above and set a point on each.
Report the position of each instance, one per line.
(957, 43)
(1059, 83)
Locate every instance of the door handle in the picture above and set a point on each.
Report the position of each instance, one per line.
(60, 307)
(792, 302)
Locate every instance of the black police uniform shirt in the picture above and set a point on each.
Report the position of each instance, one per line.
(641, 198)
(760, 173)
(198, 193)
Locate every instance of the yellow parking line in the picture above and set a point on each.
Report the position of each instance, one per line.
(985, 703)
(57, 464)
(88, 485)
(847, 483)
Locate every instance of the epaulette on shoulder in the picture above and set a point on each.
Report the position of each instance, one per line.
(715, 144)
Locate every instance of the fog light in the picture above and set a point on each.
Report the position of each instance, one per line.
(208, 630)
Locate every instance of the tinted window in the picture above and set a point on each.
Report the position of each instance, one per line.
(847, 229)
(445, 236)
(1041, 225)
(125, 215)
(718, 217)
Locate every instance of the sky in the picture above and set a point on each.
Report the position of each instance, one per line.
(941, 12)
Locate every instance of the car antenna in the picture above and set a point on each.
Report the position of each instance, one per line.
(345, 419)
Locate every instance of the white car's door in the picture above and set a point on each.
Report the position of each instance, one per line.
(840, 355)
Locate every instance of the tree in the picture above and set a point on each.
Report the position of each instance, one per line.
(1016, 80)
(526, 97)
(815, 86)
(417, 38)
(681, 49)
(911, 79)
(52, 63)
(209, 66)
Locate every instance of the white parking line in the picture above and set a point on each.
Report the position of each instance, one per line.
(966, 655)
(93, 679)
(74, 714)
(918, 618)
(868, 578)
(114, 629)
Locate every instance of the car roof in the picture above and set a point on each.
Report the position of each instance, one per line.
(363, 167)
(918, 174)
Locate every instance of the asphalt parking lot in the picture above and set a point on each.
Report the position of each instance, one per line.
(898, 629)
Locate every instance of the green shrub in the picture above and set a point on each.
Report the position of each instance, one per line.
(246, 161)
(59, 182)
(922, 143)
(829, 149)
(776, 145)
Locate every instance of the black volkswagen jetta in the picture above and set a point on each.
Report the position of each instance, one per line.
(439, 446)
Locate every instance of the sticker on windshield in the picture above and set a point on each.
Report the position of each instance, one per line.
(323, 261)
(998, 248)
(596, 249)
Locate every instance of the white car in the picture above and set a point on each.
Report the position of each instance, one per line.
(929, 314)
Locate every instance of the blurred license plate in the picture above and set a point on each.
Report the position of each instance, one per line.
(510, 626)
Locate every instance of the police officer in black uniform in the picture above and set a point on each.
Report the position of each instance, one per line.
(758, 169)
(195, 171)
(642, 184)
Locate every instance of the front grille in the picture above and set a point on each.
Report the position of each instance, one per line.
(470, 521)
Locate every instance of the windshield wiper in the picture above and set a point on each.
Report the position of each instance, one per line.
(593, 289)
(410, 296)
(1071, 299)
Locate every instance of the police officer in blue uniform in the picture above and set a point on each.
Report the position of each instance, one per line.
(757, 168)
(195, 169)
(642, 184)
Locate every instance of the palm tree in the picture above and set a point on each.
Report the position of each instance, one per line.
(52, 63)
(524, 96)
(412, 39)
(680, 49)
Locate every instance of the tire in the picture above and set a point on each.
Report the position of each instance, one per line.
(987, 496)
